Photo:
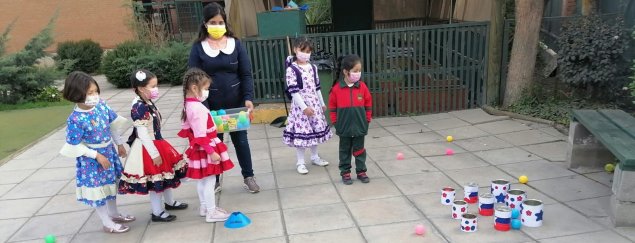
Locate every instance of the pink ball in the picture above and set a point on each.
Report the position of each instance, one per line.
(400, 156)
(420, 230)
(449, 152)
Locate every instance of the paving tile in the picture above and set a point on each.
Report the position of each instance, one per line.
(483, 176)
(537, 170)
(383, 211)
(462, 132)
(58, 239)
(191, 231)
(422, 182)
(450, 228)
(27, 163)
(263, 225)
(305, 196)
(394, 121)
(15, 176)
(430, 204)
(249, 203)
(432, 117)
(556, 151)
(60, 162)
(602, 177)
(483, 143)
(445, 124)
(98, 236)
(437, 148)
(62, 204)
(373, 171)
(5, 188)
(571, 188)
(140, 211)
(10, 226)
(291, 178)
(592, 207)
(558, 222)
(456, 161)
(317, 218)
(377, 188)
(351, 235)
(259, 166)
(21, 208)
(532, 193)
(628, 232)
(417, 138)
(476, 116)
(600, 236)
(407, 129)
(405, 166)
(506, 156)
(40, 226)
(270, 240)
(34, 189)
(381, 142)
(401, 232)
(389, 153)
(57, 174)
(527, 137)
(504, 126)
(281, 152)
(378, 132)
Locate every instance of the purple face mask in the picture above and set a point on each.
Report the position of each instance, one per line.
(303, 57)
(354, 77)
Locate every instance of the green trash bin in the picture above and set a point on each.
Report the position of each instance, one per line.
(281, 23)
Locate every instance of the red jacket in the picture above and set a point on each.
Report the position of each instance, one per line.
(351, 108)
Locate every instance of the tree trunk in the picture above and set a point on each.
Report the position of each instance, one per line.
(524, 49)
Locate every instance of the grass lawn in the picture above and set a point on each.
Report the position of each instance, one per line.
(21, 127)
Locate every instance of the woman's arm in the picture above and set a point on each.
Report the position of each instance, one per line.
(194, 61)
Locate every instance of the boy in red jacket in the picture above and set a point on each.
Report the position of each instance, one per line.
(350, 104)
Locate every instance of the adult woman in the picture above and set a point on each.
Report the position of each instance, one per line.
(222, 56)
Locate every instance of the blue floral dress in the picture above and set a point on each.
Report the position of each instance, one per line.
(89, 131)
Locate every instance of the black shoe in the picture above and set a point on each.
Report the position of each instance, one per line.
(161, 219)
(174, 207)
(363, 177)
(346, 178)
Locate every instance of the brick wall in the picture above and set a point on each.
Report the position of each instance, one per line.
(103, 21)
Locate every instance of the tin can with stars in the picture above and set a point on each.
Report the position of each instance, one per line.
(514, 198)
(499, 189)
(531, 211)
(459, 207)
(471, 192)
(486, 204)
(503, 218)
(447, 195)
(469, 222)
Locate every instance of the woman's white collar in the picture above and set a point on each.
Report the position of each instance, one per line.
(229, 48)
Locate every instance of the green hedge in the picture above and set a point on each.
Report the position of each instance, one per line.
(86, 54)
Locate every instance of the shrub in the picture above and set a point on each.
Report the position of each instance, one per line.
(591, 53)
(116, 63)
(49, 94)
(20, 79)
(168, 63)
(87, 53)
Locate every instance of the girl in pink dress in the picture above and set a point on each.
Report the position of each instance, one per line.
(206, 155)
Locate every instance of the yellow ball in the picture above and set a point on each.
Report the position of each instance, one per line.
(449, 138)
(609, 168)
(523, 179)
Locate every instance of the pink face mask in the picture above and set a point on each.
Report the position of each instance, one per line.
(303, 57)
(154, 93)
(354, 77)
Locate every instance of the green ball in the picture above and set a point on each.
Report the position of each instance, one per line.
(49, 239)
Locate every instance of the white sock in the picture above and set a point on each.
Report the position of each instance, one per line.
(300, 153)
(169, 198)
(210, 196)
(105, 218)
(112, 208)
(314, 153)
(157, 204)
(200, 188)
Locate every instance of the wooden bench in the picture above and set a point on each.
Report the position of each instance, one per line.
(599, 137)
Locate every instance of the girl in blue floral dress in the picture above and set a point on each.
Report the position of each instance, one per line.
(92, 129)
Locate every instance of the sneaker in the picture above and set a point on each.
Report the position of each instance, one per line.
(250, 185)
(302, 169)
(218, 215)
(346, 178)
(202, 211)
(363, 177)
(217, 188)
(319, 162)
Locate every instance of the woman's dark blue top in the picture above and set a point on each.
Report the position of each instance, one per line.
(232, 82)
